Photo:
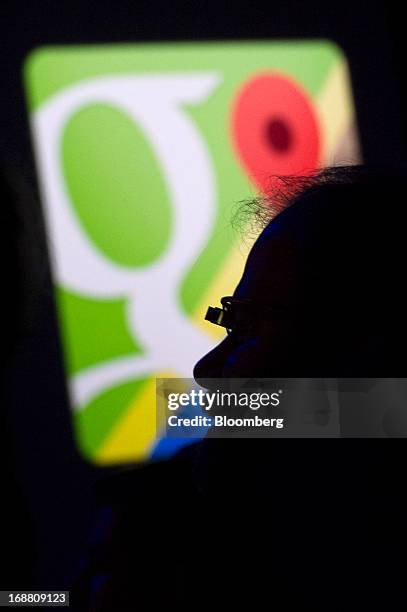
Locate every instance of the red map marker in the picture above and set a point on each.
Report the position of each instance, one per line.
(274, 128)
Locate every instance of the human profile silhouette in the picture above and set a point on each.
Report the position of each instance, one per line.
(331, 266)
(287, 524)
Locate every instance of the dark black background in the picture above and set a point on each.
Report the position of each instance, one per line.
(54, 481)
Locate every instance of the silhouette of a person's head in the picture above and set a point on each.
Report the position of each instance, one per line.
(323, 290)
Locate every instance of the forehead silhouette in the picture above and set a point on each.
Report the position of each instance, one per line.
(336, 239)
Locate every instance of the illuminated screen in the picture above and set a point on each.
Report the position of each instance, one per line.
(142, 152)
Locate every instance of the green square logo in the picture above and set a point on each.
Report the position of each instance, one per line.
(142, 150)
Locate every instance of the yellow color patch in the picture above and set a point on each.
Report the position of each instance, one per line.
(134, 435)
